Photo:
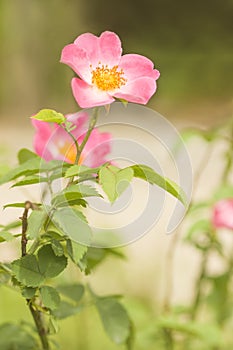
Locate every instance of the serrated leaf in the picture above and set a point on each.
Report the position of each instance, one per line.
(27, 272)
(50, 265)
(30, 167)
(75, 250)
(114, 318)
(114, 183)
(25, 154)
(68, 199)
(74, 292)
(50, 116)
(66, 309)
(30, 180)
(146, 173)
(57, 247)
(50, 297)
(77, 170)
(35, 223)
(73, 224)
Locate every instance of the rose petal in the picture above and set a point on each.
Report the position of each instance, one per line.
(88, 96)
(76, 58)
(135, 66)
(89, 43)
(139, 90)
(41, 138)
(110, 49)
(97, 148)
(80, 120)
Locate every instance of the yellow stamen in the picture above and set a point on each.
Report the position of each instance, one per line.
(69, 151)
(108, 79)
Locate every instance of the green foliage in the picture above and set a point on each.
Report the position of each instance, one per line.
(115, 181)
(26, 271)
(35, 223)
(31, 270)
(148, 174)
(49, 115)
(74, 292)
(114, 318)
(50, 297)
(14, 337)
(73, 223)
(50, 264)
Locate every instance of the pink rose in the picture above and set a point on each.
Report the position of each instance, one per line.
(223, 214)
(104, 73)
(51, 141)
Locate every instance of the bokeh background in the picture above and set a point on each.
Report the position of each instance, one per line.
(191, 44)
(189, 41)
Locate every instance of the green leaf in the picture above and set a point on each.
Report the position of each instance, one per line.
(30, 167)
(73, 224)
(57, 247)
(146, 173)
(28, 292)
(210, 334)
(75, 250)
(14, 205)
(5, 236)
(114, 318)
(66, 309)
(50, 297)
(25, 154)
(49, 115)
(30, 180)
(13, 337)
(68, 199)
(27, 272)
(74, 292)
(53, 325)
(77, 170)
(114, 183)
(35, 223)
(13, 224)
(50, 265)
(94, 256)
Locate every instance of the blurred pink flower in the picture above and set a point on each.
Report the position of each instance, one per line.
(223, 214)
(51, 141)
(105, 74)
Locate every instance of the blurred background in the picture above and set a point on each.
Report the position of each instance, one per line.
(189, 41)
(191, 44)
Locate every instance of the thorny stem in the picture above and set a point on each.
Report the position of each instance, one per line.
(28, 205)
(36, 314)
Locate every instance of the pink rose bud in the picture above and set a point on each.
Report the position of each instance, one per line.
(223, 214)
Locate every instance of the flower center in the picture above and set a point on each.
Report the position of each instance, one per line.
(106, 78)
(69, 152)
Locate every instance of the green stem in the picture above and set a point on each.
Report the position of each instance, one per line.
(80, 148)
(39, 322)
(169, 343)
(199, 285)
(89, 131)
(228, 165)
(36, 314)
